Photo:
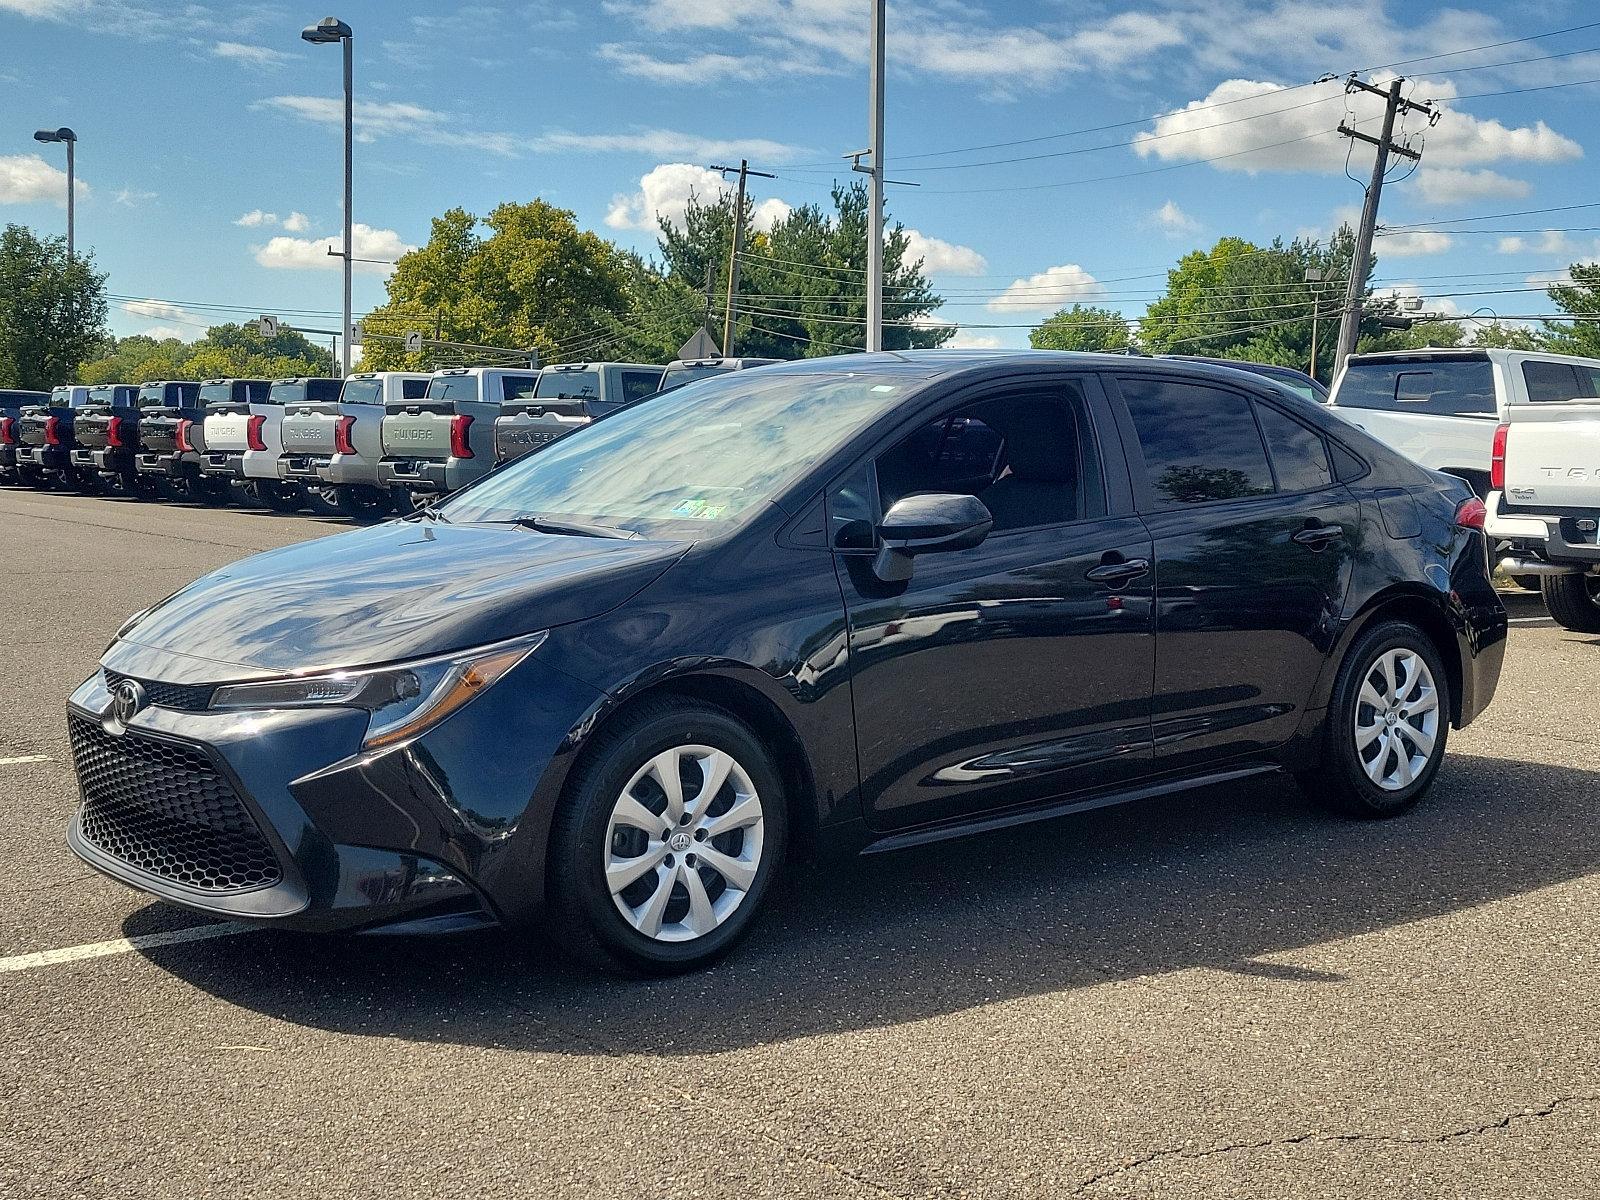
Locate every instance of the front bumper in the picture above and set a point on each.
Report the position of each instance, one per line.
(110, 461)
(1558, 537)
(223, 463)
(445, 831)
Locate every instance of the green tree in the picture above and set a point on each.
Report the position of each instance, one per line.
(227, 351)
(1509, 337)
(52, 310)
(1580, 299)
(1420, 335)
(1082, 327)
(535, 281)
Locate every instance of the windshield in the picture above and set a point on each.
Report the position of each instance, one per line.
(678, 376)
(706, 454)
(569, 385)
(362, 391)
(1442, 386)
(216, 393)
(454, 388)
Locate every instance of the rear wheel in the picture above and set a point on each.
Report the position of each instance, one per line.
(667, 840)
(33, 477)
(212, 490)
(361, 503)
(1574, 601)
(282, 497)
(402, 500)
(1386, 727)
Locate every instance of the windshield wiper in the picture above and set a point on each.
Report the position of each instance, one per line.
(574, 528)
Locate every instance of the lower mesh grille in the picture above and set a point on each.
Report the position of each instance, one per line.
(190, 697)
(166, 809)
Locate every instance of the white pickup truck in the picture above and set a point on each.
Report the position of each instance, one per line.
(1441, 407)
(334, 445)
(244, 440)
(1544, 509)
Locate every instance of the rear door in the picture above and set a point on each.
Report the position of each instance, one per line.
(1013, 672)
(1252, 557)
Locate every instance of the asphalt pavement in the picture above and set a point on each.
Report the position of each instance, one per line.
(1223, 994)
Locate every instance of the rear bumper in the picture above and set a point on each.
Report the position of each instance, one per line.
(429, 475)
(111, 461)
(336, 470)
(224, 463)
(45, 458)
(174, 465)
(1556, 538)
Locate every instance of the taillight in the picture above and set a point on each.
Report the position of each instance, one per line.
(1470, 513)
(52, 432)
(341, 436)
(252, 434)
(114, 433)
(458, 437)
(1497, 458)
(182, 437)
(8, 435)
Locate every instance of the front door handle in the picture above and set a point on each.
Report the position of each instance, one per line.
(1114, 573)
(1318, 536)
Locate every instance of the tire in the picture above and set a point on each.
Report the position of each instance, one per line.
(587, 839)
(1369, 779)
(401, 500)
(1573, 601)
(363, 503)
(212, 490)
(282, 497)
(323, 502)
(39, 481)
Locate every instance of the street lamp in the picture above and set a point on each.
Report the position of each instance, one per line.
(325, 31)
(1314, 277)
(71, 139)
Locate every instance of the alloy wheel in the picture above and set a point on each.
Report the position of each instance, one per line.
(683, 843)
(1397, 719)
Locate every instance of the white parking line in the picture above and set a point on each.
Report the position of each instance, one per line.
(54, 958)
(24, 758)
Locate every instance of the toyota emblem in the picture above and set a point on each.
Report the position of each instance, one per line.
(127, 698)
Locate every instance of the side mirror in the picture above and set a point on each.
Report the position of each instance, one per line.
(928, 524)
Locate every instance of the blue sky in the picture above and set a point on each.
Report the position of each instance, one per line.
(210, 139)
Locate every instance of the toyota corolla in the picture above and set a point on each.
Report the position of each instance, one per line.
(864, 602)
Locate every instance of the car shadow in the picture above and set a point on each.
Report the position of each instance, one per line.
(1217, 879)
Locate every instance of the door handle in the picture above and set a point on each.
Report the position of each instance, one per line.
(1118, 572)
(1318, 536)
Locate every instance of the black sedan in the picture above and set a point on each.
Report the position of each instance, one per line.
(869, 602)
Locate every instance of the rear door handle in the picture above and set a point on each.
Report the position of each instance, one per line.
(1118, 572)
(1319, 536)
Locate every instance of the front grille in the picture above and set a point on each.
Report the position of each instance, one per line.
(189, 697)
(166, 809)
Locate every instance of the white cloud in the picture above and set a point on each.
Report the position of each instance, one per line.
(297, 222)
(374, 119)
(311, 254)
(254, 56)
(666, 143)
(162, 310)
(28, 179)
(1551, 241)
(664, 193)
(1047, 291)
(940, 257)
(1413, 243)
(179, 322)
(1451, 185)
(256, 217)
(708, 69)
(1173, 221)
(966, 340)
(131, 197)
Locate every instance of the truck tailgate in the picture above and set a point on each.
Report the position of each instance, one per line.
(30, 428)
(91, 427)
(1553, 455)
(422, 434)
(228, 431)
(158, 435)
(308, 428)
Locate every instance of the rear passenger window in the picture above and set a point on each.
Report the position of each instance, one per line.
(1200, 443)
(1551, 382)
(1299, 457)
(636, 385)
(517, 387)
(413, 389)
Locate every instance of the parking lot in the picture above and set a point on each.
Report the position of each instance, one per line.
(1219, 994)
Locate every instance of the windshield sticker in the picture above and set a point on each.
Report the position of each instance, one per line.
(699, 509)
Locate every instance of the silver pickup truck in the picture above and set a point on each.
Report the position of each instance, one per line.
(244, 440)
(445, 440)
(568, 396)
(334, 446)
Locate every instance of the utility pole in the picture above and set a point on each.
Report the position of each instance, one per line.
(1361, 263)
(1314, 281)
(736, 247)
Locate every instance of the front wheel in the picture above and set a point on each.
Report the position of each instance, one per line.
(1386, 727)
(667, 840)
(1573, 601)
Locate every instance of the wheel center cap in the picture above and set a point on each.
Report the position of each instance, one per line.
(680, 841)
(1389, 718)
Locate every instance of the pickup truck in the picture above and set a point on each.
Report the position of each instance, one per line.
(45, 441)
(568, 396)
(107, 433)
(1544, 509)
(244, 439)
(445, 440)
(12, 402)
(686, 370)
(1442, 407)
(168, 408)
(335, 445)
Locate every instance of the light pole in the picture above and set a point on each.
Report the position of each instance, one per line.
(327, 30)
(71, 139)
(1313, 278)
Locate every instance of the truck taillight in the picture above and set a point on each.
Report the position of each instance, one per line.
(459, 447)
(8, 431)
(182, 437)
(114, 433)
(52, 432)
(341, 436)
(252, 434)
(1497, 458)
(1471, 514)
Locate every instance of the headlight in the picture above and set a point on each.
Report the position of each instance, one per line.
(403, 700)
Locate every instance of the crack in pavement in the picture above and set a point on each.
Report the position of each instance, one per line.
(830, 1165)
(1450, 1135)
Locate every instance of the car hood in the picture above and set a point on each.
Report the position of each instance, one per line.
(392, 592)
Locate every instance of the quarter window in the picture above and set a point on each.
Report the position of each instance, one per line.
(517, 387)
(1200, 443)
(636, 385)
(1299, 457)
